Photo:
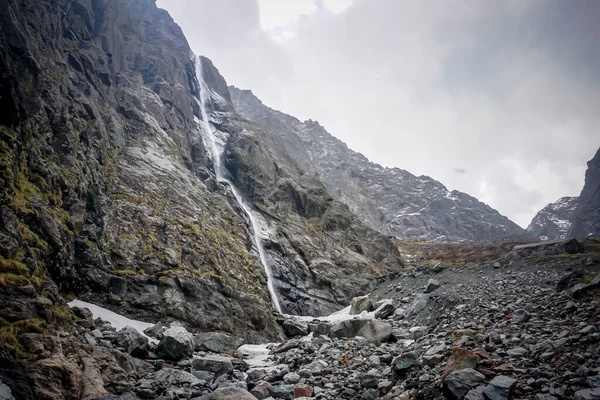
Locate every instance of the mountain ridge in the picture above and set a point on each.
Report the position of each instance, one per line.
(391, 200)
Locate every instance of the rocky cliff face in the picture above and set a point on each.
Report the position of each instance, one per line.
(320, 254)
(107, 189)
(109, 192)
(554, 221)
(392, 201)
(587, 216)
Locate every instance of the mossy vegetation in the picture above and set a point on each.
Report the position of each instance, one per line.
(10, 332)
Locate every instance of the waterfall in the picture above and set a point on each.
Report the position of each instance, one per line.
(220, 171)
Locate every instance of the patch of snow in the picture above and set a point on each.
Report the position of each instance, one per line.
(117, 321)
(257, 355)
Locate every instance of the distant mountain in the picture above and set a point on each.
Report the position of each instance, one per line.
(391, 200)
(554, 221)
(586, 222)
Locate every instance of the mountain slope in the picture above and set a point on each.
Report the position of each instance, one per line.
(392, 201)
(554, 221)
(109, 191)
(587, 216)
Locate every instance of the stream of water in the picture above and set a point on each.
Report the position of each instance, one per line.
(216, 151)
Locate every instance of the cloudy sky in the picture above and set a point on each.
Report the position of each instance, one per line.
(499, 99)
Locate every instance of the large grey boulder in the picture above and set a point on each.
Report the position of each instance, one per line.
(375, 331)
(155, 331)
(458, 383)
(132, 341)
(174, 377)
(176, 344)
(385, 309)
(346, 329)
(294, 327)
(218, 365)
(360, 304)
(587, 394)
(549, 248)
(231, 393)
(217, 342)
(500, 388)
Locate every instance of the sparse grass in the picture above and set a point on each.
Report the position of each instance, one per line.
(9, 279)
(13, 266)
(453, 254)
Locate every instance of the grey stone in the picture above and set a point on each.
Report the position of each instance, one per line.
(385, 310)
(231, 393)
(404, 362)
(294, 327)
(500, 388)
(458, 383)
(155, 331)
(284, 392)
(176, 344)
(217, 342)
(132, 341)
(520, 315)
(375, 331)
(218, 365)
(432, 285)
(587, 394)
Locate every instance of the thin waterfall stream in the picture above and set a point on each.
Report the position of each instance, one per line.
(220, 171)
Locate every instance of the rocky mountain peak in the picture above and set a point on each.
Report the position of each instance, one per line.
(554, 221)
(390, 200)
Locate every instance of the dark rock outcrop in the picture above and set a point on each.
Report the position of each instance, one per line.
(554, 221)
(391, 200)
(587, 216)
(549, 248)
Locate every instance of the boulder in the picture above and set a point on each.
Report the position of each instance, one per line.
(404, 362)
(176, 344)
(155, 331)
(461, 359)
(346, 329)
(500, 388)
(133, 342)
(302, 390)
(360, 304)
(231, 393)
(261, 390)
(587, 394)
(218, 365)
(283, 392)
(548, 248)
(432, 285)
(520, 315)
(375, 331)
(385, 310)
(217, 342)
(294, 327)
(458, 383)
(174, 377)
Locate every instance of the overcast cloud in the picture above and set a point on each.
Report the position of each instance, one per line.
(498, 99)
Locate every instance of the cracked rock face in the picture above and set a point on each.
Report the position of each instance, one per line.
(392, 201)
